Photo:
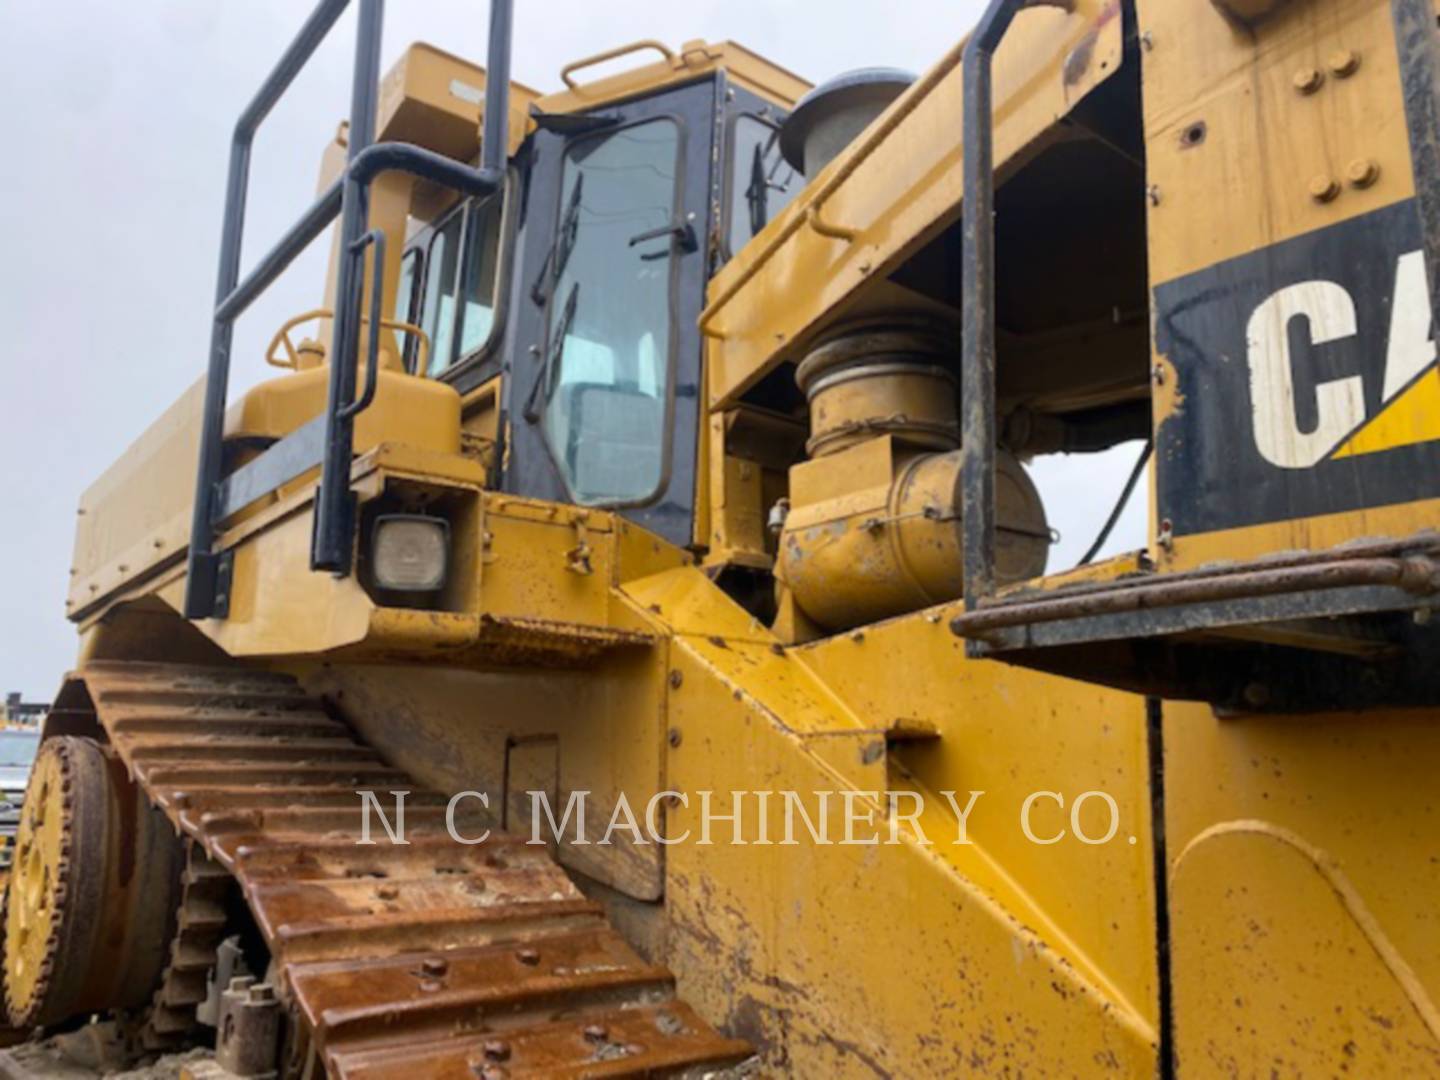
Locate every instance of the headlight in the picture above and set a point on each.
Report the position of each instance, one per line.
(409, 553)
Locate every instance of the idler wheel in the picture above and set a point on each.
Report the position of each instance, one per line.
(93, 889)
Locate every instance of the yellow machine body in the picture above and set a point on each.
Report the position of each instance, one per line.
(1262, 900)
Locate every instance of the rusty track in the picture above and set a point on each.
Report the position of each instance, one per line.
(199, 928)
(434, 959)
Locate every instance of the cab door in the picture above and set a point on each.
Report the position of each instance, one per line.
(604, 391)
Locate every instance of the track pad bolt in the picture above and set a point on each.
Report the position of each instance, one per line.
(1362, 172)
(1324, 189)
(1308, 80)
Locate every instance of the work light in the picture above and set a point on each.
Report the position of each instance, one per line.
(410, 553)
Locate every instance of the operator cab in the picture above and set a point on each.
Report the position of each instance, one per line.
(564, 307)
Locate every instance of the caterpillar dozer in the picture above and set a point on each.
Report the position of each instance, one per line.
(659, 456)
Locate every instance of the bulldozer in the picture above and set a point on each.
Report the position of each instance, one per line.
(622, 639)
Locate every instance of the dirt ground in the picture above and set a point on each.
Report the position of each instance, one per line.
(33, 1061)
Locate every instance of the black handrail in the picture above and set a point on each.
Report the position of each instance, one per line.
(349, 199)
(977, 383)
(374, 238)
(204, 563)
(332, 546)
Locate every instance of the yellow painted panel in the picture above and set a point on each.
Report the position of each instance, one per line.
(1265, 140)
(136, 516)
(1304, 863)
(841, 961)
(1304, 534)
(278, 606)
(1011, 732)
(528, 555)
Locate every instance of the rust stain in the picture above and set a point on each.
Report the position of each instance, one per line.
(1077, 63)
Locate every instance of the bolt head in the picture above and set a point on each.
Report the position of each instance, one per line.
(1343, 63)
(1324, 188)
(528, 957)
(497, 1050)
(1308, 80)
(1362, 172)
(596, 1033)
(435, 966)
(676, 737)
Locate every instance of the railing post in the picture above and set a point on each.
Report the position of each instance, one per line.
(332, 544)
(977, 381)
(977, 373)
(495, 139)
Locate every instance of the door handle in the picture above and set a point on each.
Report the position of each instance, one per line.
(683, 231)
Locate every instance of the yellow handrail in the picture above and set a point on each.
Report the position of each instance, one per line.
(569, 70)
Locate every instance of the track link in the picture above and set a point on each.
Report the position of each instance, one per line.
(199, 928)
(433, 959)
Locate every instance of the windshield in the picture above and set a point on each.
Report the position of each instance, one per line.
(17, 748)
(607, 382)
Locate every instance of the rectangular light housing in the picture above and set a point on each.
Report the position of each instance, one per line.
(410, 553)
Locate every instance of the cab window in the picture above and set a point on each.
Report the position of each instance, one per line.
(405, 293)
(459, 298)
(761, 183)
(482, 274)
(607, 383)
(437, 312)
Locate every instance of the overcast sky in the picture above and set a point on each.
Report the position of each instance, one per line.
(117, 119)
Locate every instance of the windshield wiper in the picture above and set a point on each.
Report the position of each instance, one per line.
(560, 250)
(549, 374)
(762, 182)
(757, 195)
